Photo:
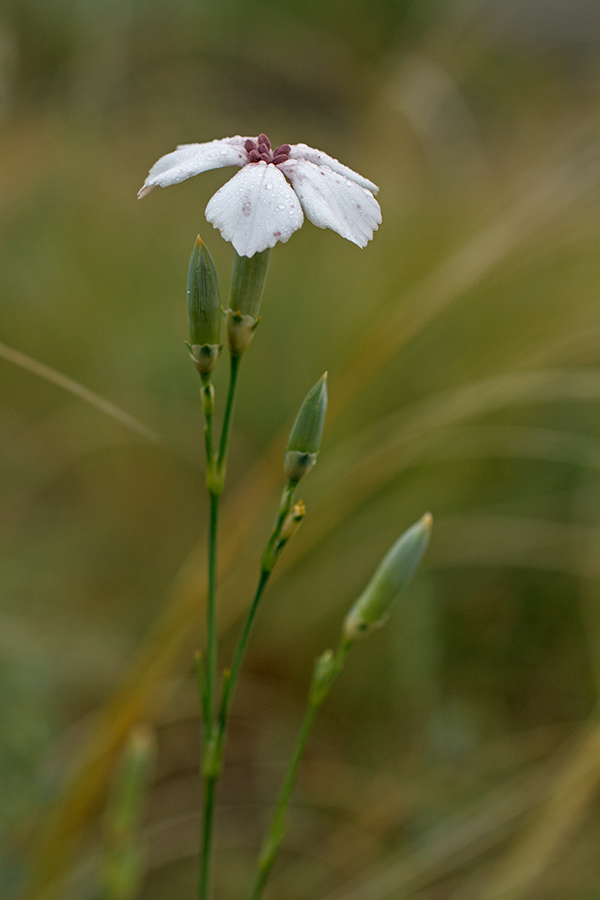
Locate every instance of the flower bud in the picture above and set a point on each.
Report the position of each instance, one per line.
(131, 781)
(205, 317)
(120, 871)
(307, 431)
(247, 283)
(392, 575)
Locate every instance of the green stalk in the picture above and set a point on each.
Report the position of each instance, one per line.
(224, 443)
(215, 733)
(207, 836)
(268, 561)
(276, 829)
(210, 675)
(215, 477)
(327, 669)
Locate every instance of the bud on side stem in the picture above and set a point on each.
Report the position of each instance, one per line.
(205, 317)
(395, 571)
(305, 437)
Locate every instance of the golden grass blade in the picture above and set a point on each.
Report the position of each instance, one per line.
(79, 390)
(365, 464)
(567, 801)
(463, 838)
(548, 194)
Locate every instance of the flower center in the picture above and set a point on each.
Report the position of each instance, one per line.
(260, 150)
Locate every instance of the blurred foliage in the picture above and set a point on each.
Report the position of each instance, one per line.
(458, 756)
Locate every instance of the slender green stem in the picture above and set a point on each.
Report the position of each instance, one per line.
(327, 669)
(238, 657)
(271, 553)
(207, 835)
(207, 393)
(208, 699)
(210, 672)
(224, 443)
(268, 561)
(215, 733)
(277, 826)
(215, 477)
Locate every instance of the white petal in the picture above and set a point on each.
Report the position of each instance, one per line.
(301, 151)
(191, 159)
(332, 201)
(255, 209)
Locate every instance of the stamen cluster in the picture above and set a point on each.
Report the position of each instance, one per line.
(260, 150)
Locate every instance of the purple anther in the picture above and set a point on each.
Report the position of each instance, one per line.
(281, 154)
(260, 150)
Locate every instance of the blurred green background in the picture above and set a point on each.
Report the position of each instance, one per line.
(459, 756)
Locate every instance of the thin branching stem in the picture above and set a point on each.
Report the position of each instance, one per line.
(268, 561)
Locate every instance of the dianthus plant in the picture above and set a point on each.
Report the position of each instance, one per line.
(263, 204)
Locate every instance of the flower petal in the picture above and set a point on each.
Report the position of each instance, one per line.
(332, 201)
(255, 209)
(191, 159)
(301, 151)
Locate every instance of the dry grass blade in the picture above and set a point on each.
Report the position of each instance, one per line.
(79, 390)
(461, 839)
(568, 799)
(550, 193)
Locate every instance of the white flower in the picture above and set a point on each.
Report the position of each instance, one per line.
(258, 207)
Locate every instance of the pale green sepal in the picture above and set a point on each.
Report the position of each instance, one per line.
(203, 299)
(240, 331)
(305, 437)
(204, 356)
(247, 283)
(392, 575)
(297, 464)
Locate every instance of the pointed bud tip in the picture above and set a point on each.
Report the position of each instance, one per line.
(427, 521)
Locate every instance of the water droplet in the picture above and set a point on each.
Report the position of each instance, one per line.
(269, 187)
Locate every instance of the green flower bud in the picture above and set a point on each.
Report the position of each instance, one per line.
(121, 865)
(131, 782)
(247, 283)
(307, 431)
(205, 317)
(397, 568)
